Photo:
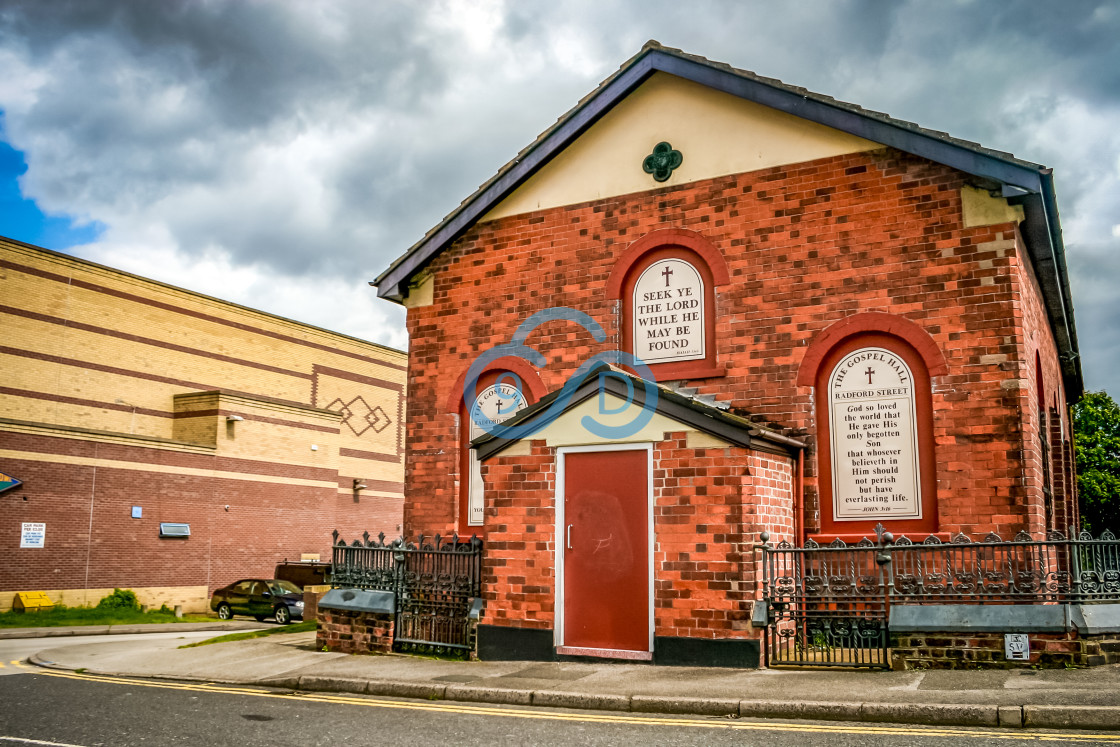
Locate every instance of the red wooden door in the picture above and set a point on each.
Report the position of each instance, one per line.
(606, 550)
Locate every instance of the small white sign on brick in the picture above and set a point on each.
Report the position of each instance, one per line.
(34, 534)
(1016, 647)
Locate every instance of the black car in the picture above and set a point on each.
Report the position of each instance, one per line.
(261, 598)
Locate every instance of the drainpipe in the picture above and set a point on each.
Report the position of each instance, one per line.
(799, 501)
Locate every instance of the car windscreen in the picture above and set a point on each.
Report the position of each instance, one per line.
(285, 587)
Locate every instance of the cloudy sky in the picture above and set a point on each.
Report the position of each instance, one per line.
(281, 154)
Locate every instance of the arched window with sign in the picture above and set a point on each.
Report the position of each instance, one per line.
(508, 386)
(875, 437)
(666, 283)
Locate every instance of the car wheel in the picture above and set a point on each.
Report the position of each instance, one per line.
(283, 616)
(224, 611)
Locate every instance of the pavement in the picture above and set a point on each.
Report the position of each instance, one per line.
(1063, 699)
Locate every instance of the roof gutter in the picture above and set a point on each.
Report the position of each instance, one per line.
(1042, 234)
(1071, 356)
(769, 435)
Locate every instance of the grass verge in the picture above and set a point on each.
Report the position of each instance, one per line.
(66, 616)
(302, 627)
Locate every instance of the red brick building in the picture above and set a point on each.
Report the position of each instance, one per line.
(851, 320)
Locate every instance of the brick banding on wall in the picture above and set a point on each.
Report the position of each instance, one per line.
(147, 301)
(123, 393)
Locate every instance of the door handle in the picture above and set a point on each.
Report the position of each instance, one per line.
(569, 537)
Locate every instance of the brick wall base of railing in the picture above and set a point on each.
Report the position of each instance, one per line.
(352, 632)
(972, 650)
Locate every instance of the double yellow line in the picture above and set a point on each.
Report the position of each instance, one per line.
(597, 718)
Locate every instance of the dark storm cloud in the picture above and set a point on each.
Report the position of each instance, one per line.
(311, 143)
(146, 100)
(1077, 38)
(1097, 309)
(256, 62)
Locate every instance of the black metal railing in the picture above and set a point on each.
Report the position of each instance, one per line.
(435, 581)
(828, 605)
(1079, 569)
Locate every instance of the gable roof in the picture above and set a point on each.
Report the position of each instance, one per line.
(690, 412)
(1021, 182)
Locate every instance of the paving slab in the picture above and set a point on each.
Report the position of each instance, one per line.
(1071, 717)
(476, 694)
(1011, 716)
(818, 710)
(584, 701)
(934, 714)
(686, 706)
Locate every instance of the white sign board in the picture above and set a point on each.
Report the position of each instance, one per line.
(874, 439)
(668, 311)
(494, 404)
(34, 534)
(1017, 647)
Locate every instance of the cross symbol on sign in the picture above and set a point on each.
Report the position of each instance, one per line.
(666, 272)
(869, 371)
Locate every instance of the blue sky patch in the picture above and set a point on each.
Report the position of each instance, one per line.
(21, 218)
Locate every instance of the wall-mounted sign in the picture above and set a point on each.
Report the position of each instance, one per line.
(1016, 647)
(668, 308)
(494, 405)
(874, 440)
(7, 482)
(33, 534)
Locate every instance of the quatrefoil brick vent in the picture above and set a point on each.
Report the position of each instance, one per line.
(662, 161)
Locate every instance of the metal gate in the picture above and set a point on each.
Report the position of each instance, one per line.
(827, 606)
(436, 583)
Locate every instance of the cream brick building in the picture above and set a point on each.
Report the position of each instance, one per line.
(126, 403)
